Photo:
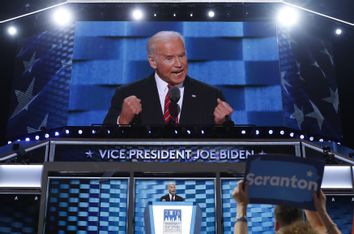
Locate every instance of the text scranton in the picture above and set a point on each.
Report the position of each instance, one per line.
(281, 181)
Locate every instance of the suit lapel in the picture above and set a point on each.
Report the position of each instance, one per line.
(190, 104)
(152, 107)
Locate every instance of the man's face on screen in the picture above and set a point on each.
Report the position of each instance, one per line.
(172, 189)
(169, 60)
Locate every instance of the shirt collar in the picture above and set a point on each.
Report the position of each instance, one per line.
(162, 85)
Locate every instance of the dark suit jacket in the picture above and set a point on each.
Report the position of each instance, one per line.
(199, 102)
(167, 198)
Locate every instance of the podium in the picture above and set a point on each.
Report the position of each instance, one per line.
(172, 218)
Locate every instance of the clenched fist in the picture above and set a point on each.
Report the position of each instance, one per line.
(130, 108)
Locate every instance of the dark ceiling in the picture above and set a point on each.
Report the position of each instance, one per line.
(343, 9)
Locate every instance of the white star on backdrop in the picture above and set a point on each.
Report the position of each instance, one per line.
(333, 99)
(284, 83)
(316, 114)
(315, 64)
(299, 116)
(29, 64)
(24, 99)
(42, 125)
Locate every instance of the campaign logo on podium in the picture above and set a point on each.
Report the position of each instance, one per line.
(172, 221)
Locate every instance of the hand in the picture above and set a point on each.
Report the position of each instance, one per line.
(222, 110)
(319, 201)
(240, 194)
(130, 108)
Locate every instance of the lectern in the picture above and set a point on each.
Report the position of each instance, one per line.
(172, 218)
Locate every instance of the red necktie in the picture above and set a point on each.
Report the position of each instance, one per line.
(166, 114)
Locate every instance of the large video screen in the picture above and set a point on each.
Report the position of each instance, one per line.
(271, 76)
(71, 75)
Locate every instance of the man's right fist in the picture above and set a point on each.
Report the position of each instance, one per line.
(130, 108)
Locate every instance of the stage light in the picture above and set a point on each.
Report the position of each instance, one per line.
(93, 131)
(338, 31)
(311, 138)
(67, 131)
(282, 132)
(62, 17)
(257, 132)
(9, 142)
(12, 30)
(287, 17)
(174, 15)
(155, 14)
(191, 14)
(202, 132)
(79, 132)
(176, 132)
(56, 134)
(46, 135)
(291, 134)
(302, 137)
(137, 14)
(211, 14)
(27, 139)
(36, 137)
(270, 132)
(243, 132)
(320, 140)
(189, 132)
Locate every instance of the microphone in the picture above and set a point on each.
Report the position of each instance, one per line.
(175, 95)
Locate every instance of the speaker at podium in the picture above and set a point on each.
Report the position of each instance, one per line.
(172, 218)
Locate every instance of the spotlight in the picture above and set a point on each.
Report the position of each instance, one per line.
(12, 31)
(176, 132)
(191, 14)
(174, 15)
(211, 14)
(155, 14)
(56, 134)
(93, 131)
(282, 132)
(302, 137)
(287, 17)
(9, 142)
(257, 132)
(189, 132)
(62, 17)
(46, 135)
(320, 140)
(67, 131)
(291, 134)
(27, 139)
(80, 131)
(311, 138)
(202, 132)
(243, 132)
(137, 14)
(36, 137)
(270, 132)
(338, 31)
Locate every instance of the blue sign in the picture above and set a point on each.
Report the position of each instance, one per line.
(283, 179)
(172, 215)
